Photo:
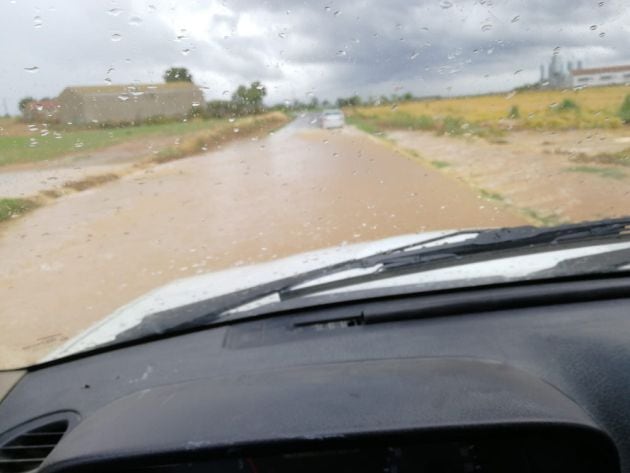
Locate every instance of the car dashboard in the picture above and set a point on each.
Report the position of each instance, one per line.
(530, 389)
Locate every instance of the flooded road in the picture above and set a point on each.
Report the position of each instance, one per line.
(72, 262)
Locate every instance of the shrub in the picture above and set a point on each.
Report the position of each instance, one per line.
(624, 111)
(567, 105)
(514, 112)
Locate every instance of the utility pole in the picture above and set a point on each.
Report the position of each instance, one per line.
(6, 108)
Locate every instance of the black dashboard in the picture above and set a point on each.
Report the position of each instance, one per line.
(536, 389)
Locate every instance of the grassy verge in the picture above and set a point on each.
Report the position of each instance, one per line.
(33, 146)
(489, 195)
(11, 208)
(222, 134)
(619, 158)
(189, 145)
(609, 173)
(440, 164)
(376, 123)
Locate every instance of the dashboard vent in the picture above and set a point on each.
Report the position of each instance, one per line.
(28, 449)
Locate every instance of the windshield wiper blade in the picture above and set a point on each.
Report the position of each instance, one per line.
(489, 244)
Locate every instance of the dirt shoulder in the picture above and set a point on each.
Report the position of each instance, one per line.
(543, 175)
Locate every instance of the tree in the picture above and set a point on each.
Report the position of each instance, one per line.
(177, 74)
(249, 100)
(24, 102)
(353, 101)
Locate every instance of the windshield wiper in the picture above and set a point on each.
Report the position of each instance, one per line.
(482, 246)
(489, 244)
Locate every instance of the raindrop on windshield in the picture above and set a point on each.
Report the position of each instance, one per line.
(593, 27)
(135, 20)
(236, 130)
(116, 37)
(114, 11)
(186, 51)
(231, 119)
(602, 34)
(31, 69)
(515, 19)
(123, 98)
(282, 35)
(486, 27)
(38, 22)
(446, 4)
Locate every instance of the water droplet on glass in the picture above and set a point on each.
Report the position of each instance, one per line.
(593, 27)
(78, 144)
(115, 37)
(486, 27)
(414, 55)
(231, 119)
(152, 7)
(327, 8)
(108, 80)
(602, 34)
(114, 11)
(515, 19)
(341, 52)
(38, 22)
(518, 71)
(186, 51)
(236, 130)
(282, 35)
(337, 12)
(446, 4)
(31, 69)
(601, 4)
(135, 20)
(123, 98)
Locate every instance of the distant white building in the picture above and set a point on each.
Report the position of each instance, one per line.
(600, 76)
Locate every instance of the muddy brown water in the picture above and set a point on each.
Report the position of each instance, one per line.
(74, 261)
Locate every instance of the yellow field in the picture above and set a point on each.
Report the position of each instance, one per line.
(597, 107)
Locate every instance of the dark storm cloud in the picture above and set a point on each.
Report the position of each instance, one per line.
(331, 48)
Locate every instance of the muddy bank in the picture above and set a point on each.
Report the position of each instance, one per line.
(536, 173)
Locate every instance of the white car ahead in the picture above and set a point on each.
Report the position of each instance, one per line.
(333, 118)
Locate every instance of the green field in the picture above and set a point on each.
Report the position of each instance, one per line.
(20, 148)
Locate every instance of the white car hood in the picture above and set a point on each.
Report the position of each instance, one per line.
(197, 288)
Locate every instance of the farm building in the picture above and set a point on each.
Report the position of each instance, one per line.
(600, 76)
(128, 103)
(44, 111)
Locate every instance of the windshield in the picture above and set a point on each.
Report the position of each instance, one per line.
(142, 142)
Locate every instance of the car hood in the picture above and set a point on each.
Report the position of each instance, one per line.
(193, 289)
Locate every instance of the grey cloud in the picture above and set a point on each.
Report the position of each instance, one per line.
(358, 45)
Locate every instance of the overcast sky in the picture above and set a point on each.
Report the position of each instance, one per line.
(297, 49)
